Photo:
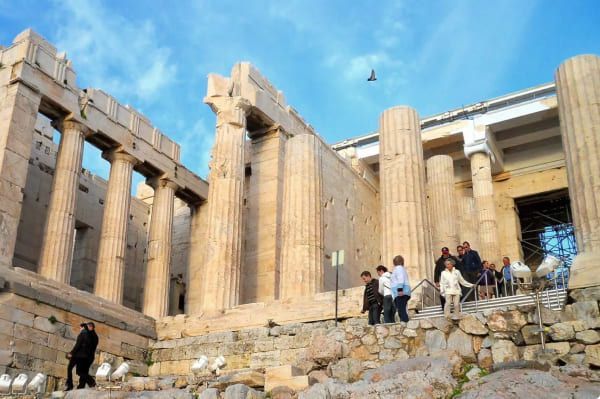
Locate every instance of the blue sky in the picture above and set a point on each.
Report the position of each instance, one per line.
(432, 55)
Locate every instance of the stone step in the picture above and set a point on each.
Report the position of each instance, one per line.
(297, 383)
(283, 372)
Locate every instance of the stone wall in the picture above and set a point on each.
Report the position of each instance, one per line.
(89, 210)
(39, 322)
(483, 338)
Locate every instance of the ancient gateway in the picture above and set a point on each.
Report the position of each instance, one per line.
(186, 259)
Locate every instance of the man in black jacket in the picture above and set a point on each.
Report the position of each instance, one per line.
(83, 368)
(440, 267)
(472, 265)
(77, 355)
(372, 299)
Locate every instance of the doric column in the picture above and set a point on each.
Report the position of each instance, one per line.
(196, 265)
(59, 231)
(302, 249)
(156, 287)
(18, 112)
(468, 226)
(404, 222)
(223, 255)
(443, 208)
(113, 237)
(483, 194)
(578, 89)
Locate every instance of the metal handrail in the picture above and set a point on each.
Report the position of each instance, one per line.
(430, 284)
(423, 281)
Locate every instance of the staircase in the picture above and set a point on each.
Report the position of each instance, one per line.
(553, 299)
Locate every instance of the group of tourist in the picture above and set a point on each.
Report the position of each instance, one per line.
(82, 356)
(454, 276)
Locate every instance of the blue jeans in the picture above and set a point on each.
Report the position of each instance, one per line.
(388, 309)
(401, 302)
(374, 314)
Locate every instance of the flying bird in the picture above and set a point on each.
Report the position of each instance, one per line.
(372, 78)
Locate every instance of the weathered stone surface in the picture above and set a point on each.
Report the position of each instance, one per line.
(409, 332)
(504, 351)
(441, 323)
(249, 378)
(168, 394)
(592, 355)
(471, 325)
(210, 393)
(529, 384)
(586, 294)
(531, 336)
(282, 393)
(461, 343)
(435, 340)
(237, 391)
(347, 370)
(485, 359)
(324, 350)
(586, 311)
(562, 332)
(508, 321)
(588, 337)
(474, 374)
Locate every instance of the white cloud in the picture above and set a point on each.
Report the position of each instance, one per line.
(120, 55)
(196, 145)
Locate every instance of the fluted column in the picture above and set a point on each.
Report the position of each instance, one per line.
(113, 237)
(196, 264)
(405, 224)
(483, 194)
(443, 208)
(156, 287)
(59, 231)
(468, 225)
(302, 255)
(578, 89)
(223, 255)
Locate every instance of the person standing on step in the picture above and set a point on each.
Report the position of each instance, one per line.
(84, 369)
(450, 282)
(440, 267)
(372, 300)
(472, 266)
(400, 288)
(78, 355)
(385, 289)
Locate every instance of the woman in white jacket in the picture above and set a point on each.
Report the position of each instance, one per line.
(450, 282)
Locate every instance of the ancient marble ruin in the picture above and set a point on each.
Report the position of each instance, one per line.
(235, 265)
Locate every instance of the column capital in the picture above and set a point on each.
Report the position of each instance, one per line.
(71, 124)
(158, 181)
(229, 110)
(118, 154)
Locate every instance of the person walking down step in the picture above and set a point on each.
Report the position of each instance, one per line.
(78, 355)
(385, 289)
(84, 368)
(400, 288)
(372, 300)
(450, 281)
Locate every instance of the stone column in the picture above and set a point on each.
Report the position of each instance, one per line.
(483, 194)
(59, 231)
(156, 287)
(113, 237)
(196, 265)
(223, 255)
(302, 252)
(578, 89)
(18, 112)
(467, 217)
(404, 222)
(443, 208)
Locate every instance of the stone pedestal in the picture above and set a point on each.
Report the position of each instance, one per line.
(196, 265)
(404, 220)
(223, 253)
(302, 252)
(18, 113)
(59, 232)
(483, 194)
(113, 236)
(443, 208)
(156, 287)
(578, 89)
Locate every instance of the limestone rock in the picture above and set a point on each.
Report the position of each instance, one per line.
(408, 332)
(321, 375)
(529, 384)
(531, 336)
(347, 370)
(586, 311)
(412, 324)
(462, 344)
(592, 355)
(435, 340)
(504, 351)
(473, 374)
(426, 324)
(249, 378)
(586, 294)
(485, 359)
(506, 321)
(562, 332)
(471, 325)
(324, 350)
(282, 393)
(210, 393)
(237, 391)
(392, 343)
(442, 324)
(588, 337)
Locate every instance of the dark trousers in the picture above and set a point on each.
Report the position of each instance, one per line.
(70, 366)
(374, 314)
(471, 277)
(388, 309)
(83, 369)
(442, 301)
(401, 302)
